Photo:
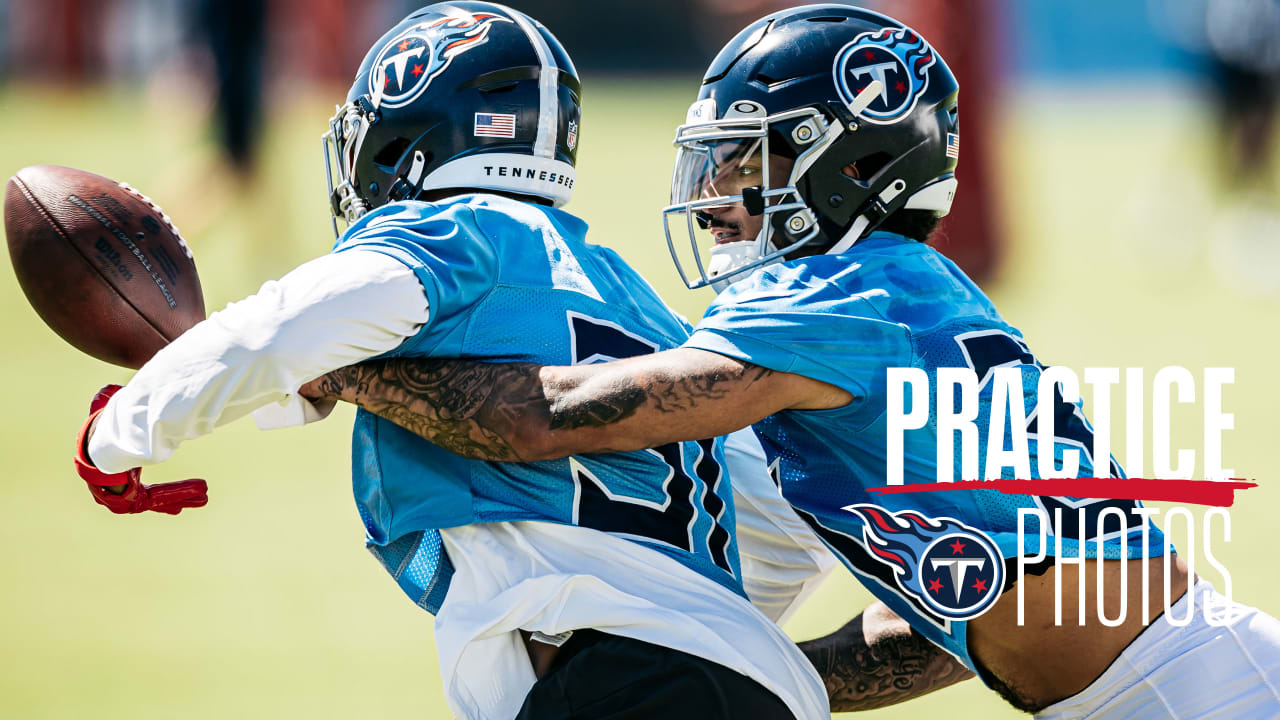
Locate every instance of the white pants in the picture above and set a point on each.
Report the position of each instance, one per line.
(1194, 671)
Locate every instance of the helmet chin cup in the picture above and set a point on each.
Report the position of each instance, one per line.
(728, 257)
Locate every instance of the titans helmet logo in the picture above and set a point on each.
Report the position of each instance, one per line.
(898, 58)
(407, 64)
(956, 570)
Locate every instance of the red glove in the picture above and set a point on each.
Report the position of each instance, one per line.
(168, 498)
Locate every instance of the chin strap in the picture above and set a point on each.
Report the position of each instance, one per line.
(860, 224)
(855, 233)
(409, 185)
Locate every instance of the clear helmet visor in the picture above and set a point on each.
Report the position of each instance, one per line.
(717, 169)
(726, 191)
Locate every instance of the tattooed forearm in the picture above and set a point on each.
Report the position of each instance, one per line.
(597, 412)
(469, 408)
(684, 392)
(614, 399)
(865, 670)
(521, 411)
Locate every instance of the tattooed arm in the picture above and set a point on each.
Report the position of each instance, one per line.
(521, 411)
(877, 660)
(469, 408)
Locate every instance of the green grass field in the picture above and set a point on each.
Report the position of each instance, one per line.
(264, 604)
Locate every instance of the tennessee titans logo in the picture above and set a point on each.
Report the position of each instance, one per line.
(408, 63)
(955, 569)
(900, 59)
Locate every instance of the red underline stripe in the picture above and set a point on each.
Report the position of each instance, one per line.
(1218, 493)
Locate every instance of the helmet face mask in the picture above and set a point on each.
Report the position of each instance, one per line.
(861, 108)
(463, 95)
(732, 171)
(340, 144)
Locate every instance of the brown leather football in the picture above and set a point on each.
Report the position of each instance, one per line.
(100, 263)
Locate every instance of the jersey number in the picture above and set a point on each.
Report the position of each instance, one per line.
(986, 350)
(671, 520)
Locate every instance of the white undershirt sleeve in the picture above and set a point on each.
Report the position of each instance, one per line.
(783, 560)
(333, 311)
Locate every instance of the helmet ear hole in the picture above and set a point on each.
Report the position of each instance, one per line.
(388, 158)
(866, 167)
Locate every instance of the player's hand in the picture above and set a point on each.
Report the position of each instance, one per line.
(313, 391)
(123, 493)
(325, 387)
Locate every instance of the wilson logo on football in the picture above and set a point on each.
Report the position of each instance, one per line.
(955, 569)
(899, 59)
(408, 63)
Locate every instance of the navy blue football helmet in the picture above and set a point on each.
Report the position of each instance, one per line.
(815, 123)
(457, 95)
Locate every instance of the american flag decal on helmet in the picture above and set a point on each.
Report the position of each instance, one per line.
(953, 145)
(495, 125)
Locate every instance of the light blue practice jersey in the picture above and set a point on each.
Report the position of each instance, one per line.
(508, 281)
(891, 302)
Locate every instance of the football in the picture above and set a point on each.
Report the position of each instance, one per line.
(100, 263)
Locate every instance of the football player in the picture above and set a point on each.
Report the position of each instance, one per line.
(603, 585)
(816, 162)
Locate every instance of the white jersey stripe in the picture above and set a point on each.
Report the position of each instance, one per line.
(548, 82)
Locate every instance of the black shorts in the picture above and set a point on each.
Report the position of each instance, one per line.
(597, 676)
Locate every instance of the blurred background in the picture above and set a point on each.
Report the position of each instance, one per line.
(1119, 200)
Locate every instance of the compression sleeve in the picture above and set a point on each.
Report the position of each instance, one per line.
(330, 312)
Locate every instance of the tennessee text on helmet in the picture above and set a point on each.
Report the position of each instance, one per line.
(457, 95)
(860, 107)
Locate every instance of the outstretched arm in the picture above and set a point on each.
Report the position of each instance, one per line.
(877, 660)
(521, 411)
(326, 313)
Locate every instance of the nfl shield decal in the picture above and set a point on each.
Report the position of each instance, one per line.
(408, 63)
(899, 58)
(954, 569)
